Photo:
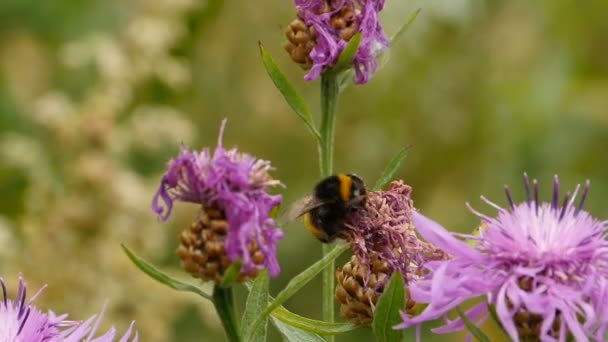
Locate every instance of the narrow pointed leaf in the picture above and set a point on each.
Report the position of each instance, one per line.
(304, 323)
(231, 274)
(311, 325)
(256, 302)
(297, 282)
(294, 100)
(387, 311)
(473, 329)
(293, 334)
(405, 26)
(162, 277)
(345, 61)
(391, 169)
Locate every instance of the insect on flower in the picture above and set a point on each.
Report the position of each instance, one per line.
(332, 200)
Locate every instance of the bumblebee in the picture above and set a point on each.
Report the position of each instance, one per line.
(326, 208)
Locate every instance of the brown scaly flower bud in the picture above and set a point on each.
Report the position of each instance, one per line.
(358, 289)
(203, 252)
(300, 42)
(302, 38)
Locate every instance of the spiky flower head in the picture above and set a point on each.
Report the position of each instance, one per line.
(234, 185)
(384, 230)
(324, 27)
(21, 321)
(383, 241)
(542, 266)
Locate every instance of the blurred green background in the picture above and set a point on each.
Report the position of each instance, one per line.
(96, 96)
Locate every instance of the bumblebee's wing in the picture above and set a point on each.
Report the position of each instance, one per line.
(299, 208)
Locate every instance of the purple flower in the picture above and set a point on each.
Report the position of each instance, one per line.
(334, 23)
(20, 321)
(234, 183)
(383, 230)
(543, 267)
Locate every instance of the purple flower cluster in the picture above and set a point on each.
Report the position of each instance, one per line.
(235, 183)
(20, 321)
(318, 15)
(546, 260)
(384, 230)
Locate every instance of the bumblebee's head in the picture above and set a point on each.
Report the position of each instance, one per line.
(341, 187)
(357, 191)
(357, 188)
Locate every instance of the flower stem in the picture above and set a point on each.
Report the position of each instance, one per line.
(330, 89)
(224, 305)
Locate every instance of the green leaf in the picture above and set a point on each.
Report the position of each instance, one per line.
(306, 324)
(479, 335)
(231, 274)
(162, 277)
(311, 325)
(297, 282)
(405, 26)
(293, 334)
(391, 169)
(345, 61)
(256, 302)
(387, 311)
(294, 100)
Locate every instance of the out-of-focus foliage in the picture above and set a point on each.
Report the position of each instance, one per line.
(95, 96)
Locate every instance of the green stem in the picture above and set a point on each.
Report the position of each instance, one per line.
(330, 90)
(224, 305)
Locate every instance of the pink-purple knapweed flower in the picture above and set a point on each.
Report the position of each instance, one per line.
(333, 23)
(543, 267)
(21, 321)
(234, 183)
(383, 230)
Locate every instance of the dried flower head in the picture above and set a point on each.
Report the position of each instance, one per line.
(20, 321)
(234, 185)
(543, 266)
(383, 241)
(324, 27)
(384, 230)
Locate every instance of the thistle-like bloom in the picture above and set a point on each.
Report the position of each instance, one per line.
(231, 186)
(383, 241)
(383, 230)
(21, 321)
(544, 267)
(324, 28)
